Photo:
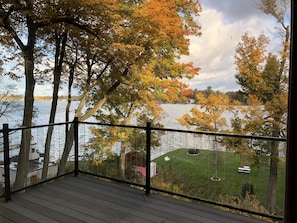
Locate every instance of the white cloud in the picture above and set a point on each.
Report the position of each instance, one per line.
(223, 23)
(214, 51)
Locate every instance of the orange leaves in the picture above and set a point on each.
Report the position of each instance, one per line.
(169, 90)
(187, 92)
(162, 17)
(163, 22)
(128, 53)
(263, 80)
(156, 31)
(214, 103)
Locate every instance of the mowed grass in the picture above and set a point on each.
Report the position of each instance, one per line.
(191, 175)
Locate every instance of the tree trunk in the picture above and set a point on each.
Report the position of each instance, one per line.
(70, 135)
(123, 160)
(272, 186)
(66, 151)
(23, 161)
(273, 173)
(70, 83)
(88, 114)
(124, 146)
(59, 57)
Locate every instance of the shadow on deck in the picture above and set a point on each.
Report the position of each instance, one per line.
(85, 199)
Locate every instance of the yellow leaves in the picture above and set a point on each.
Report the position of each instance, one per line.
(162, 15)
(162, 24)
(249, 58)
(250, 202)
(126, 52)
(208, 117)
(277, 108)
(215, 104)
(189, 69)
(185, 120)
(263, 78)
(253, 101)
(121, 136)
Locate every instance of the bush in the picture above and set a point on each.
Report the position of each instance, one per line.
(193, 151)
(247, 188)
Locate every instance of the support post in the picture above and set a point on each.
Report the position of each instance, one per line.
(6, 163)
(76, 168)
(148, 159)
(290, 215)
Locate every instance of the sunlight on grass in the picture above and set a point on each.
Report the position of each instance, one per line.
(192, 175)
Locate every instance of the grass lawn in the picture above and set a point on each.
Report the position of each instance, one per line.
(191, 175)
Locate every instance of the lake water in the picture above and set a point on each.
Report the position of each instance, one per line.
(170, 113)
(169, 141)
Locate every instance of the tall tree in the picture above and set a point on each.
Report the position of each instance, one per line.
(12, 15)
(20, 24)
(60, 39)
(149, 38)
(263, 77)
(119, 37)
(274, 80)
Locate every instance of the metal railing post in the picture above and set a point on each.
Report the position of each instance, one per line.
(76, 168)
(148, 159)
(291, 158)
(6, 162)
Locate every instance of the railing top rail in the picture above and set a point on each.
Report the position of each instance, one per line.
(157, 129)
(114, 125)
(222, 134)
(35, 126)
(147, 128)
(192, 131)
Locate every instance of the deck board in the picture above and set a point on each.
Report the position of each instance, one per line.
(85, 199)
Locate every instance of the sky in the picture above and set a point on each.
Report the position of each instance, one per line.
(223, 23)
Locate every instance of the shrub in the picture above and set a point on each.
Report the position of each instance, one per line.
(247, 188)
(193, 151)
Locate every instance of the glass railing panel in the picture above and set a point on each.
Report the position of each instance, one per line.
(228, 170)
(115, 152)
(42, 152)
(232, 170)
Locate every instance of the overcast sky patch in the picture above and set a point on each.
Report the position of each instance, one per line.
(223, 23)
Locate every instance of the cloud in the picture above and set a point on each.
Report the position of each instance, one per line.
(234, 9)
(223, 23)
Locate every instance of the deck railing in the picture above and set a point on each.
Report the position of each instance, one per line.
(226, 170)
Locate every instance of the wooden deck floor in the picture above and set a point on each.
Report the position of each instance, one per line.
(84, 199)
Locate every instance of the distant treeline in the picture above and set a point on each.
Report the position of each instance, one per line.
(189, 95)
(39, 98)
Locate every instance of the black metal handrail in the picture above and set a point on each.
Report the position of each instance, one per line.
(148, 129)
